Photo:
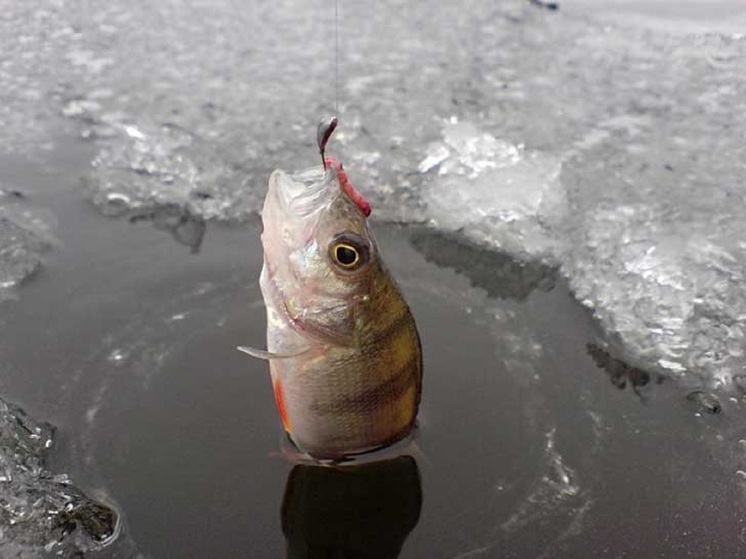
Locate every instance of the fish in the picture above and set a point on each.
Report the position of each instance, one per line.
(343, 348)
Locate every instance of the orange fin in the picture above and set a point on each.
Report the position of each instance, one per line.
(280, 401)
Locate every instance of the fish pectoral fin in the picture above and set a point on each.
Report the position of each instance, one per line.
(264, 354)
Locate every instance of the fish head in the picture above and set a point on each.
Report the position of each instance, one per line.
(320, 257)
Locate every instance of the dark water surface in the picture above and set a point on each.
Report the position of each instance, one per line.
(125, 340)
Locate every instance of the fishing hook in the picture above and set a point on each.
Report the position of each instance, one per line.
(323, 133)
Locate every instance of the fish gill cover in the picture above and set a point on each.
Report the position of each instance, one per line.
(615, 153)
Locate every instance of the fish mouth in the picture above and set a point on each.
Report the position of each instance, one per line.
(302, 193)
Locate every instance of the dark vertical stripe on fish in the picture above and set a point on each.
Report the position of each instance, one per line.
(372, 399)
(397, 325)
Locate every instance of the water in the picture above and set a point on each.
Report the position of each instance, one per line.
(559, 196)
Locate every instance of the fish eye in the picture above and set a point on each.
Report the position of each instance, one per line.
(346, 255)
(349, 251)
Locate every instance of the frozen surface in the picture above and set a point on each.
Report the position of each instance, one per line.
(496, 193)
(676, 16)
(43, 514)
(655, 236)
(24, 237)
(616, 153)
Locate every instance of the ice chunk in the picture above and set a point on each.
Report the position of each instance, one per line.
(19, 253)
(494, 192)
(41, 512)
(667, 276)
(24, 237)
(152, 167)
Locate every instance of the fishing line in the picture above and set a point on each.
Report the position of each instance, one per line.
(336, 57)
(326, 126)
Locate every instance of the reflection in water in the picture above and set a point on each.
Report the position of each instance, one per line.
(186, 228)
(499, 274)
(363, 511)
(620, 373)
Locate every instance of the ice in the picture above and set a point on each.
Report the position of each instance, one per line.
(614, 152)
(153, 167)
(43, 514)
(492, 191)
(24, 238)
(672, 293)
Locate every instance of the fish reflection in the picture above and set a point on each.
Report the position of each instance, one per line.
(363, 511)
